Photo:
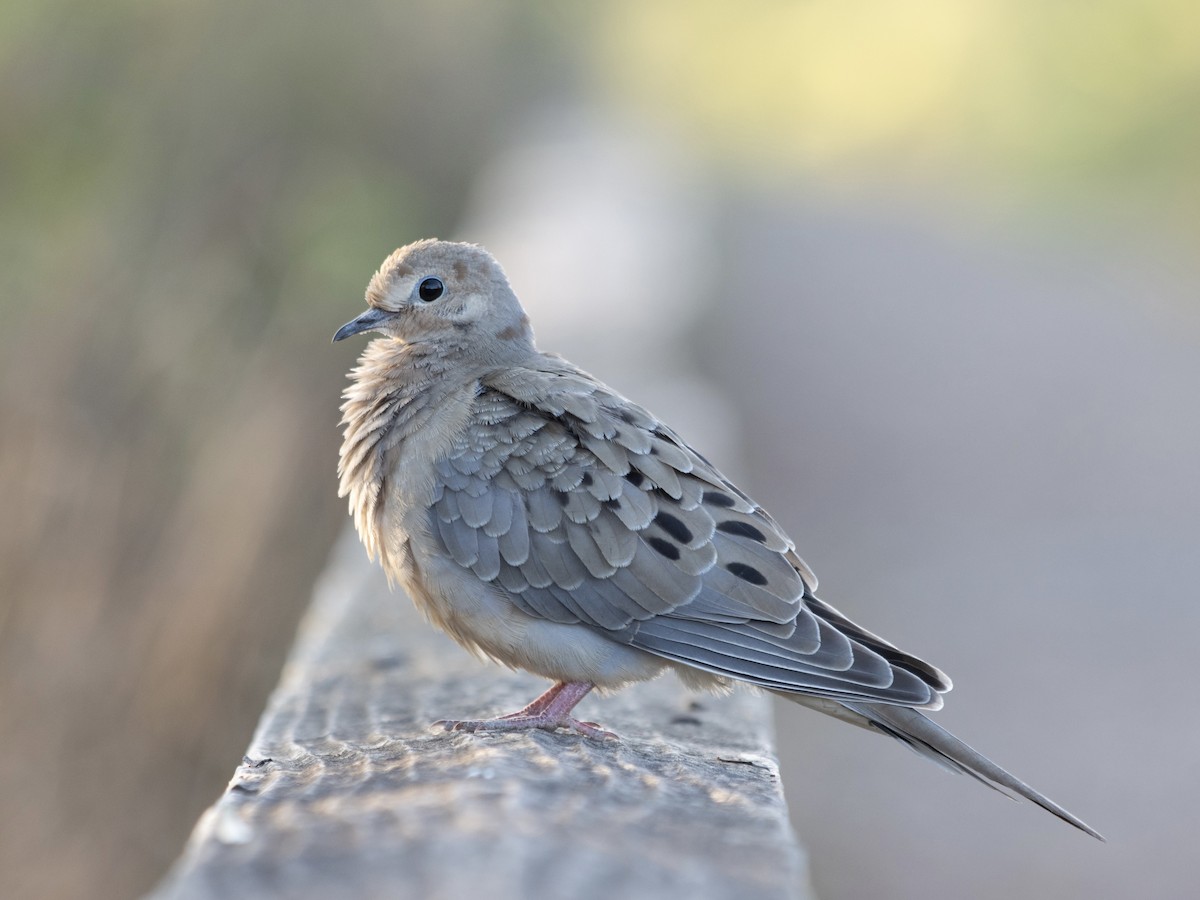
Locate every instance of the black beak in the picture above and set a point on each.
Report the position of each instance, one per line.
(368, 321)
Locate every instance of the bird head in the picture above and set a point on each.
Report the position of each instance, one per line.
(431, 291)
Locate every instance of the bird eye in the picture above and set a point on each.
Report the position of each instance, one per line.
(430, 289)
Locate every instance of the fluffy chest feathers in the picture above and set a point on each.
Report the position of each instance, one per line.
(401, 414)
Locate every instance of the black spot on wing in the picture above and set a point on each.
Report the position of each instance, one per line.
(665, 547)
(746, 573)
(716, 498)
(635, 477)
(674, 527)
(742, 529)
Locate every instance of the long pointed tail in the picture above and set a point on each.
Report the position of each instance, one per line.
(929, 739)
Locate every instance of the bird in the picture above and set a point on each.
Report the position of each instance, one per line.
(547, 523)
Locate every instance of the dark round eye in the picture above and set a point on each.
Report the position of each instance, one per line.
(430, 289)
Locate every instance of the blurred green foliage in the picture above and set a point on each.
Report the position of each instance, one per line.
(194, 196)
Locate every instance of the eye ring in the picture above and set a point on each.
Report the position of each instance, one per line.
(430, 289)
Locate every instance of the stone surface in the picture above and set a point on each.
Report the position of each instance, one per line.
(346, 790)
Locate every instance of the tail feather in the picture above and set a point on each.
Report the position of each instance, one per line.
(932, 741)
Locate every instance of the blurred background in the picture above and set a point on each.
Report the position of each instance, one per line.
(923, 279)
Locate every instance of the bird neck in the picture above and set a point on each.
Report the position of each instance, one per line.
(394, 381)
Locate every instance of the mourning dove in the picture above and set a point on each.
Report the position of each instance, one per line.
(546, 522)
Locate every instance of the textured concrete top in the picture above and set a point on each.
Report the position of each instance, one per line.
(347, 792)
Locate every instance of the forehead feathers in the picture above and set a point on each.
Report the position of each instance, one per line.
(462, 267)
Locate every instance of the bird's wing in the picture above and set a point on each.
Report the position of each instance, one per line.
(585, 509)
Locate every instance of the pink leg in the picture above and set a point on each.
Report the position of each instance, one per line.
(550, 711)
(537, 706)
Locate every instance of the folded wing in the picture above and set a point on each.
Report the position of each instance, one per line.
(585, 509)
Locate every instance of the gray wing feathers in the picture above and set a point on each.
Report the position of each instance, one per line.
(460, 540)
(562, 564)
(475, 509)
(545, 513)
(582, 542)
(501, 513)
(585, 509)
(487, 562)
(514, 543)
(634, 508)
(616, 543)
(734, 652)
(651, 587)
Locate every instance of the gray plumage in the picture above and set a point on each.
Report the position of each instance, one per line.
(548, 523)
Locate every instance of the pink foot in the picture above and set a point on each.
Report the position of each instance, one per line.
(549, 712)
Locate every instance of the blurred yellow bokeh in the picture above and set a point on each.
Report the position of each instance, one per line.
(1027, 96)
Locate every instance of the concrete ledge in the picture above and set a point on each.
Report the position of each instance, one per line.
(347, 792)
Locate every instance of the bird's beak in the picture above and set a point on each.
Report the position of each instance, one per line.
(368, 321)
